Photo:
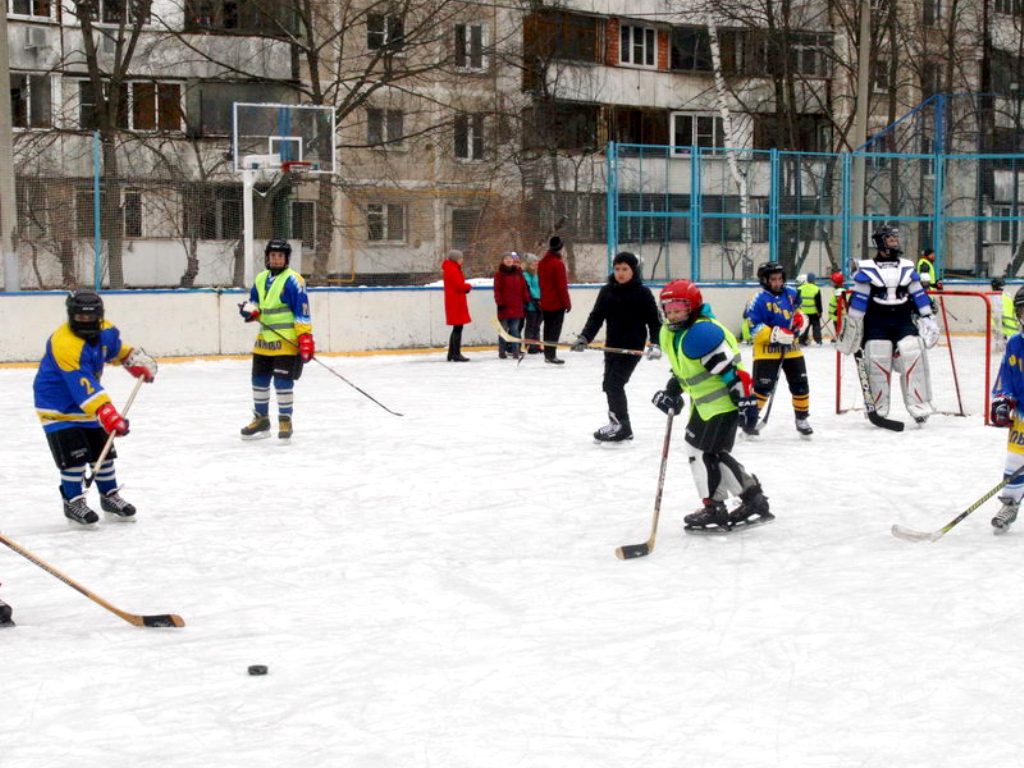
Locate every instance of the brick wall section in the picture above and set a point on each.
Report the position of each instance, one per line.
(612, 49)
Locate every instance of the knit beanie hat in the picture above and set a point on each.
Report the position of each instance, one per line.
(555, 244)
(625, 257)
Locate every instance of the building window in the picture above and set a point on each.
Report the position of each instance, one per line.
(31, 105)
(690, 49)
(132, 213)
(465, 225)
(931, 79)
(384, 127)
(469, 137)
(1010, 7)
(145, 106)
(112, 11)
(560, 125)
(880, 76)
(304, 223)
(810, 54)
(932, 13)
(1002, 231)
(469, 46)
(637, 45)
(216, 100)
(689, 130)
(385, 223)
(384, 32)
(238, 17)
(39, 9)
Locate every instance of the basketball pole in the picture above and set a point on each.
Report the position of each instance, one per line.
(248, 182)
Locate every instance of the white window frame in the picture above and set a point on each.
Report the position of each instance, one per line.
(717, 131)
(383, 210)
(129, 105)
(475, 125)
(11, 13)
(389, 20)
(467, 46)
(648, 42)
(1001, 230)
(28, 82)
(936, 11)
(1009, 7)
(387, 128)
(880, 76)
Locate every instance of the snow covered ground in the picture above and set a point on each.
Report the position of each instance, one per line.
(440, 590)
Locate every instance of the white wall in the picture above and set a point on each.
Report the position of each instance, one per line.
(206, 322)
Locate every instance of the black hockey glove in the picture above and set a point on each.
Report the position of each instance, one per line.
(668, 402)
(747, 407)
(1001, 413)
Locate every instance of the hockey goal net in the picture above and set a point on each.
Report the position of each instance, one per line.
(962, 365)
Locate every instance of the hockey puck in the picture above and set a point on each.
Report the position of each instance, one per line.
(257, 669)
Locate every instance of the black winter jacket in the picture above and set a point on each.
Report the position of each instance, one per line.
(629, 310)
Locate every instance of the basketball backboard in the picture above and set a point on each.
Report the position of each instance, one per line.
(289, 132)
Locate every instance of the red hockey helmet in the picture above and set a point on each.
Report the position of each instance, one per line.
(837, 279)
(682, 294)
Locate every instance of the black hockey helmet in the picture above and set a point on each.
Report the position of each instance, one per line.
(998, 283)
(278, 246)
(768, 269)
(85, 314)
(883, 246)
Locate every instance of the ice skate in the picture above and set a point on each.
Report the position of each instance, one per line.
(284, 427)
(78, 513)
(615, 431)
(753, 508)
(5, 615)
(257, 429)
(712, 518)
(919, 412)
(116, 508)
(803, 426)
(1004, 517)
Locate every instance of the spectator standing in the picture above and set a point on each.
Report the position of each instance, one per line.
(554, 296)
(533, 312)
(810, 305)
(511, 295)
(456, 305)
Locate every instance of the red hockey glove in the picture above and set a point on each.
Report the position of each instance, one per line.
(140, 365)
(799, 321)
(111, 420)
(306, 347)
(1001, 413)
(782, 336)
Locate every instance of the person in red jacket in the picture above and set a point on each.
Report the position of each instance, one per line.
(554, 296)
(456, 305)
(511, 295)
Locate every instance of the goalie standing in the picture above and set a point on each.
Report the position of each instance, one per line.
(1007, 396)
(879, 327)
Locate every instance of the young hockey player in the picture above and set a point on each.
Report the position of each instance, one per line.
(880, 322)
(75, 410)
(706, 365)
(1007, 399)
(775, 322)
(278, 302)
(628, 307)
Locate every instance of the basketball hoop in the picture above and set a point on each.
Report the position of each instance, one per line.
(300, 167)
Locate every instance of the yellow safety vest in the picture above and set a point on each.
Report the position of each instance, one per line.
(926, 267)
(1009, 323)
(275, 315)
(807, 293)
(708, 393)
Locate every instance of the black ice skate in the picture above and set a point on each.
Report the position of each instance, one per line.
(614, 431)
(803, 426)
(117, 508)
(257, 429)
(5, 615)
(1004, 517)
(78, 513)
(712, 518)
(284, 427)
(753, 508)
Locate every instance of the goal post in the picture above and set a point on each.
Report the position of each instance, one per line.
(962, 364)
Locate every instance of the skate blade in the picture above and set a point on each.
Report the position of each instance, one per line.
(740, 525)
(999, 530)
(716, 531)
(77, 526)
(113, 517)
(257, 436)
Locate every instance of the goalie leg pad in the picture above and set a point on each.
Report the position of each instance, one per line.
(852, 333)
(878, 362)
(915, 378)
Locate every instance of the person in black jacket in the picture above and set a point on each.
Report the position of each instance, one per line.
(629, 309)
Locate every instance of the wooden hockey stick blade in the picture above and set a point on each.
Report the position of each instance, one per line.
(155, 620)
(909, 534)
(561, 345)
(631, 551)
(884, 423)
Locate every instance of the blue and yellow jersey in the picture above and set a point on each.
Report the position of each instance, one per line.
(293, 296)
(67, 386)
(1010, 383)
(768, 311)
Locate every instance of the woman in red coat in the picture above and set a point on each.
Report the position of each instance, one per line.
(554, 296)
(511, 295)
(456, 306)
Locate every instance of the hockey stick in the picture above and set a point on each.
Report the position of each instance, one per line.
(869, 404)
(110, 438)
(909, 534)
(600, 347)
(316, 359)
(630, 551)
(155, 620)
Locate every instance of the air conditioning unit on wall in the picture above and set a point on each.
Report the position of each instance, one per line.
(35, 37)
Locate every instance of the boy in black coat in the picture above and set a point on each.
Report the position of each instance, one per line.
(629, 309)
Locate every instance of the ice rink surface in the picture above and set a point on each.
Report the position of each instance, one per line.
(440, 590)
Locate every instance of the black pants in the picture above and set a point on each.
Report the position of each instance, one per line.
(766, 372)
(552, 330)
(455, 342)
(813, 326)
(617, 370)
(533, 321)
